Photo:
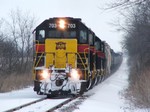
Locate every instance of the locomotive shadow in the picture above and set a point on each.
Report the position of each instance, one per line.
(62, 97)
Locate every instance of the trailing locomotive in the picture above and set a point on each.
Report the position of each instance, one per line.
(69, 57)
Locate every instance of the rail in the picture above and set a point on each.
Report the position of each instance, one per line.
(50, 109)
(25, 105)
(61, 104)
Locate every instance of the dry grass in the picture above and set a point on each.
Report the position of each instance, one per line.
(139, 91)
(14, 82)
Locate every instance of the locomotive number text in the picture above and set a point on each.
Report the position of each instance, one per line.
(54, 25)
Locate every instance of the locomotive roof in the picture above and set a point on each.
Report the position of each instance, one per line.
(44, 23)
(69, 18)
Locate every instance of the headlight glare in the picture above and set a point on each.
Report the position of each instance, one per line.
(75, 75)
(43, 74)
(62, 24)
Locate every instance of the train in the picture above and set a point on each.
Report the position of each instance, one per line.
(69, 58)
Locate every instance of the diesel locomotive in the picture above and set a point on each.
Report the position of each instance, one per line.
(69, 58)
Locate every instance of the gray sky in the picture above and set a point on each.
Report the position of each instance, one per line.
(87, 10)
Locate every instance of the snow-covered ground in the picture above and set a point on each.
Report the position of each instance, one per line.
(16, 98)
(105, 97)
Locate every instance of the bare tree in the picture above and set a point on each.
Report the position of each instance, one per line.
(124, 4)
(20, 29)
(16, 49)
(137, 43)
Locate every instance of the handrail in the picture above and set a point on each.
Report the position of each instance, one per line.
(83, 65)
(39, 59)
(36, 53)
(94, 68)
(35, 59)
(84, 52)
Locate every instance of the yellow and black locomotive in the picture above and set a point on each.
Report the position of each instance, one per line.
(69, 57)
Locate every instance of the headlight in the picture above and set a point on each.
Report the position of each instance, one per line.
(75, 74)
(43, 74)
(62, 24)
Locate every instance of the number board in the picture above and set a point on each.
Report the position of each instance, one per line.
(69, 25)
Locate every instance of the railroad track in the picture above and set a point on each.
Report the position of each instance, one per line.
(40, 100)
(25, 105)
(61, 104)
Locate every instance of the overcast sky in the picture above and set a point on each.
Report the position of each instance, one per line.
(87, 10)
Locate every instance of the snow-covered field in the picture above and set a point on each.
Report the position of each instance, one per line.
(105, 97)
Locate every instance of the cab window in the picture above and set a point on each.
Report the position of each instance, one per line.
(102, 47)
(91, 39)
(60, 34)
(83, 37)
(97, 45)
(54, 34)
(41, 35)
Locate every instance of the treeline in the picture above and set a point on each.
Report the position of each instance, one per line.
(137, 44)
(16, 47)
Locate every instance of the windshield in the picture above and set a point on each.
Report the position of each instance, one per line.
(61, 34)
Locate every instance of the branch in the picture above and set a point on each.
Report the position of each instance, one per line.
(123, 4)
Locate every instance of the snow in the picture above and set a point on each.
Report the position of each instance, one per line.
(42, 106)
(105, 97)
(16, 98)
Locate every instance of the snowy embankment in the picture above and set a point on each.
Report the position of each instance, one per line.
(105, 97)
